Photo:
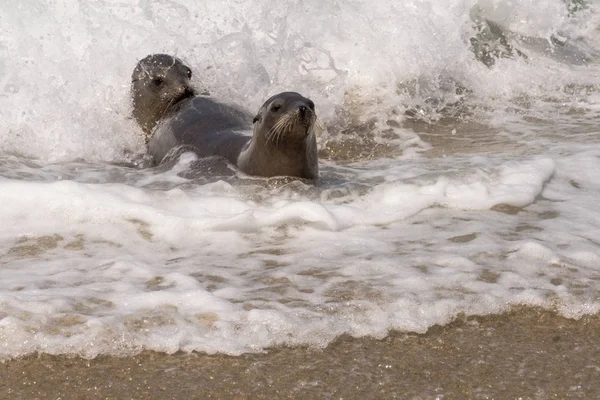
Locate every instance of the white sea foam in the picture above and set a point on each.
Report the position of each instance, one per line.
(97, 258)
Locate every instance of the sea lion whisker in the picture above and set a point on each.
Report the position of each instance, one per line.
(317, 125)
(269, 135)
(277, 135)
(167, 107)
(144, 70)
(276, 131)
(273, 135)
(275, 126)
(289, 122)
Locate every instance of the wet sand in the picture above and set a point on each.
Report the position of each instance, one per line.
(526, 353)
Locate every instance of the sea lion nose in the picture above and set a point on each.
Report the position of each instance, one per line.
(302, 110)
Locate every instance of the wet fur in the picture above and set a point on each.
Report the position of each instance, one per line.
(283, 141)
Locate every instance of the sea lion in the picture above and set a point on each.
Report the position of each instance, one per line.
(173, 117)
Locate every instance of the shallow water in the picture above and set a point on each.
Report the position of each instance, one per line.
(447, 185)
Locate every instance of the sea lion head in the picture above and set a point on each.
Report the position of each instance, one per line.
(158, 83)
(285, 119)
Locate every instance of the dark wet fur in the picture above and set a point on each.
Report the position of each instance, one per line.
(166, 107)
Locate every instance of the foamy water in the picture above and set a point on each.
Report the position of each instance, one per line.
(453, 179)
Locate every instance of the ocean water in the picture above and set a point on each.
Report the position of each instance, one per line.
(460, 165)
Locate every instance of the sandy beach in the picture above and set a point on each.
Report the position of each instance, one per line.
(526, 354)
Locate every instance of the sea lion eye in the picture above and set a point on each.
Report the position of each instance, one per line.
(189, 73)
(157, 82)
(275, 107)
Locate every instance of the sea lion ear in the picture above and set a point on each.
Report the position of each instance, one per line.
(256, 118)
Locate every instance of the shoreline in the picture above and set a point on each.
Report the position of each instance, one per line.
(526, 353)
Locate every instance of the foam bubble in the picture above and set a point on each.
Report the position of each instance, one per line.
(418, 55)
(111, 259)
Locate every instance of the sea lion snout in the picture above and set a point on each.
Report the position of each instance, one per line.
(184, 91)
(305, 114)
